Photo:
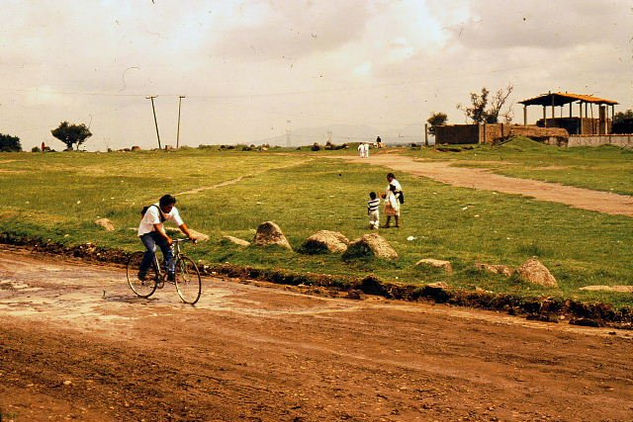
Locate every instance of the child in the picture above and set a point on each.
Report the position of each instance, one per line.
(372, 210)
(392, 206)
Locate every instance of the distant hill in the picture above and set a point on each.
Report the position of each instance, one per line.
(339, 134)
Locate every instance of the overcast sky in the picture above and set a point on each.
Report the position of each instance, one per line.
(253, 69)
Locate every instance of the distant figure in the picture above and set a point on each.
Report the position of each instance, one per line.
(379, 142)
(367, 146)
(373, 206)
(43, 146)
(361, 150)
(392, 206)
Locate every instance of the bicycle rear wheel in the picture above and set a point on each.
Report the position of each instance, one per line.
(142, 288)
(188, 282)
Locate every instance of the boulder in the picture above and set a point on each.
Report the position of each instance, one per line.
(325, 241)
(135, 148)
(235, 241)
(435, 263)
(368, 246)
(269, 233)
(105, 223)
(496, 269)
(533, 271)
(197, 236)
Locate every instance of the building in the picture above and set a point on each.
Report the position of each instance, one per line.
(585, 122)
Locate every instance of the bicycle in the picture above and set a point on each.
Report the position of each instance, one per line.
(187, 277)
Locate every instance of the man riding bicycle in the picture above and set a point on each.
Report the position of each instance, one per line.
(153, 235)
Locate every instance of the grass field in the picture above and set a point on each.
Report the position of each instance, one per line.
(57, 196)
(606, 168)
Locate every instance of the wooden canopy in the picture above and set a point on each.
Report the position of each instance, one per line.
(561, 98)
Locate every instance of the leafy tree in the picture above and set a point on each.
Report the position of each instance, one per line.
(71, 134)
(486, 109)
(436, 119)
(623, 122)
(9, 143)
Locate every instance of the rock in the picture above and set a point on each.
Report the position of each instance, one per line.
(438, 285)
(435, 263)
(603, 288)
(235, 241)
(370, 245)
(496, 269)
(105, 223)
(197, 236)
(269, 233)
(325, 241)
(135, 148)
(533, 271)
(355, 294)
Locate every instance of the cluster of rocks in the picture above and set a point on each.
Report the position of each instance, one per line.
(531, 271)
(370, 245)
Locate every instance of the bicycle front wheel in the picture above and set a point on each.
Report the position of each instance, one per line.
(188, 282)
(143, 288)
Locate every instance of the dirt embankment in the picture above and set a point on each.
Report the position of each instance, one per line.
(544, 309)
(76, 345)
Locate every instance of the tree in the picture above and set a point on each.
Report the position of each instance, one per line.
(9, 143)
(487, 110)
(623, 122)
(71, 134)
(436, 119)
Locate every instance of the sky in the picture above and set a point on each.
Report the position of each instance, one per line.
(251, 70)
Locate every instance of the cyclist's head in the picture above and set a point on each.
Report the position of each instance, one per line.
(167, 202)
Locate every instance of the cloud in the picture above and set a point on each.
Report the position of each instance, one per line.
(291, 29)
(542, 23)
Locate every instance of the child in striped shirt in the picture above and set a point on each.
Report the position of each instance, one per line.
(373, 206)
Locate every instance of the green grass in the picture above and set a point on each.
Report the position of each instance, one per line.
(606, 168)
(58, 196)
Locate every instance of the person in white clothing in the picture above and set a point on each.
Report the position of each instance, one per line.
(152, 233)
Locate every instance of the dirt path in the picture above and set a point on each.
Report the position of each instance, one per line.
(74, 344)
(477, 178)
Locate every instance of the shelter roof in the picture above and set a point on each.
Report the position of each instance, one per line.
(562, 98)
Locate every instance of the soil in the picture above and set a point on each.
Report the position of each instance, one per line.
(483, 179)
(76, 344)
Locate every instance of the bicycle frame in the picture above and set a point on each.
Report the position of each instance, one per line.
(175, 247)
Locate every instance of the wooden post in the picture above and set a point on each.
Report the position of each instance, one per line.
(524, 115)
(570, 110)
(544, 118)
(593, 128)
(151, 98)
(580, 113)
(180, 97)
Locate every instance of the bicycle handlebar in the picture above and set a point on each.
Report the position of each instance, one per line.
(184, 239)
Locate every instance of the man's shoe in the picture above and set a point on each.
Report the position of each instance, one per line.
(142, 277)
(171, 277)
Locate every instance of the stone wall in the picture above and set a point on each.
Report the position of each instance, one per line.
(596, 140)
(489, 133)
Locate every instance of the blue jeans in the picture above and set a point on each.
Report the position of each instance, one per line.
(152, 242)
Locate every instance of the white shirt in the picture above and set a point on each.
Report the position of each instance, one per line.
(152, 216)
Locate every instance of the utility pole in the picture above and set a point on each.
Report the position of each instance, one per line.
(180, 97)
(151, 98)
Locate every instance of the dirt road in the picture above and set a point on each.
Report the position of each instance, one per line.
(478, 178)
(75, 345)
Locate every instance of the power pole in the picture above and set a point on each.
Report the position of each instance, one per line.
(180, 97)
(151, 98)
